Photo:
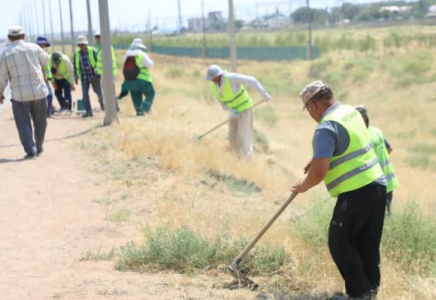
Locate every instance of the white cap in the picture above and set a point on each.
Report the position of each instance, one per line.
(15, 30)
(82, 40)
(97, 33)
(138, 43)
(214, 71)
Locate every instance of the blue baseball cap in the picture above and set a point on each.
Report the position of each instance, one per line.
(42, 41)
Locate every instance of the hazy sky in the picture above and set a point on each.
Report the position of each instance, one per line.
(133, 14)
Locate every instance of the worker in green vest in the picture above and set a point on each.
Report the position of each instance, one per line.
(137, 77)
(97, 37)
(63, 75)
(85, 69)
(229, 89)
(383, 150)
(343, 156)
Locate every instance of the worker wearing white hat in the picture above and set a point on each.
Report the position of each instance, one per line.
(85, 69)
(230, 91)
(137, 77)
(22, 65)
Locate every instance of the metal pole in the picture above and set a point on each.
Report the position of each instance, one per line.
(180, 18)
(72, 27)
(150, 30)
(309, 42)
(36, 19)
(62, 27)
(32, 24)
(232, 37)
(43, 16)
(51, 26)
(108, 81)
(204, 31)
(90, 31)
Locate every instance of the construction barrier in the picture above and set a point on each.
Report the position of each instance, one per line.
(249, 53)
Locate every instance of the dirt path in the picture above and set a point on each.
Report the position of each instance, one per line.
(49, 222)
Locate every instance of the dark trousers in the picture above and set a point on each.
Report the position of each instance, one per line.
(63, 93)
(49, 100)
(354, 237)
(96, 86)
(140, 104)
(24, 112)
(389, 197)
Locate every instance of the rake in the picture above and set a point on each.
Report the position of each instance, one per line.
(233, 268)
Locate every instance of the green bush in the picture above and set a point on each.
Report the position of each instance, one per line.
(409, 239)
(174, 72)
(185, 250)
(267, 115)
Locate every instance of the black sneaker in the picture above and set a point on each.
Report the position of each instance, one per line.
(88, 114)
(39, 153)
(30, 156)
(102, 106)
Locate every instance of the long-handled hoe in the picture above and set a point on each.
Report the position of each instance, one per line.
(233, 267)
(223, 123)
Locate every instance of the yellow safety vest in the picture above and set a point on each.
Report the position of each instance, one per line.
(144, 73)
(100, 62)
(239, 101)
(47, 70)
(91, 60)
(378, 142)
(358, 165)
(62, 68)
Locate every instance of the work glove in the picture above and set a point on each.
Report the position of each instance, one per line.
(234, 113)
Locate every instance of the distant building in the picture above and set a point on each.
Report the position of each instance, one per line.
(395, 9)
(431, 12)
(214, 20)
(272, 21)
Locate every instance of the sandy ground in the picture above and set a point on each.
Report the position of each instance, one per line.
(49, 222)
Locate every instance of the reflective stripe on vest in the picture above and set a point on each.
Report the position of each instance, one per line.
(144, 73)
(47, 70)
(62, 68)
(100, 62)
(91, 60)
(358, 165)
(378, 141)
(239, 101)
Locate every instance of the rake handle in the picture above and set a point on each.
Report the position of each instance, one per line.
(263, 230)
(225, 122)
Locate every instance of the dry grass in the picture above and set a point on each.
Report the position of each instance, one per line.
(169, 165)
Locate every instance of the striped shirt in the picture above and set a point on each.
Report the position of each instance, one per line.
(87, 72)
(21, 65)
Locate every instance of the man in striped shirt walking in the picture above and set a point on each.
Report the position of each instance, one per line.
(22, 65)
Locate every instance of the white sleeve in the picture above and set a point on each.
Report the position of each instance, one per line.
(249, 81)
(146, 61)
(43, 57)
(3, 74)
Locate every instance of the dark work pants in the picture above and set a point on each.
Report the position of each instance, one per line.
(63, 93)
(49, 100)
(24, 112)
(355, 235)
(96, 86)
(389, 197)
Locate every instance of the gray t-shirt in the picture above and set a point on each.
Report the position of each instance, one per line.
(332, 139)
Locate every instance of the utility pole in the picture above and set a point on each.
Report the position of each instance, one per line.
(180, 18)
(309, 42)
(90, 31)
(204, 31)
(108, 81)
(36, 19)
(232, 37)
(51, 25)
(62, 27)
(72, 27)
(150, 31)
(43, 16)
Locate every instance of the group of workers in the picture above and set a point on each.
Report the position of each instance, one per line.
(351, 157)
